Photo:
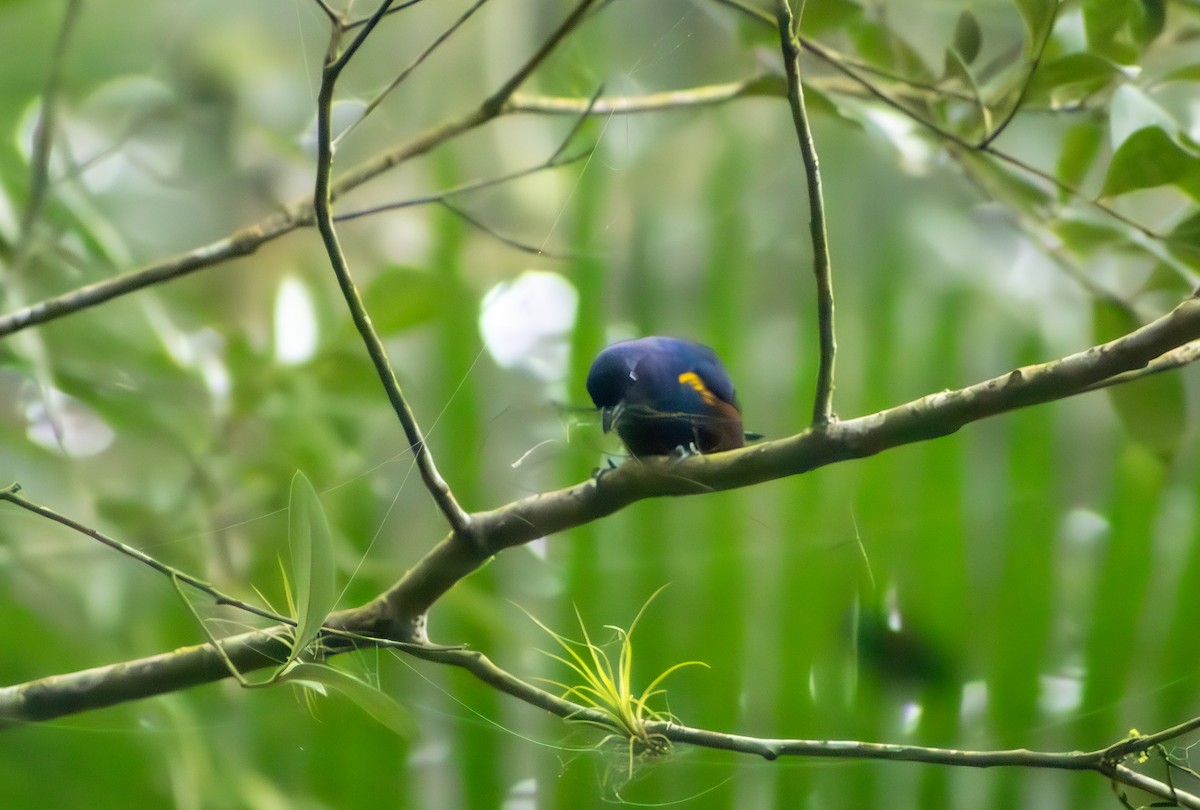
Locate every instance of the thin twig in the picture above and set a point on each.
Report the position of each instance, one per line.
(515, 244)
(404, 74)
(851, 70)
(464, 188)
(388, 13)
(986, 148)
(554, 161)
(9, 494)
(1106, 761)
(337, 62)
(43, 130)
(328, 11)
(455, 515)
(1038, 52)
(249, 239)
(494, 104)
(823, 404)
(704, 95)
(179, 577)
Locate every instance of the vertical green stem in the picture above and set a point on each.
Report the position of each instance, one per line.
(823, 404)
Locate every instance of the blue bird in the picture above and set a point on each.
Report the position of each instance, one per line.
(666, 396)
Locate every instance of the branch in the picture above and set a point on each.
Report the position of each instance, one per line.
(43, 131)
(930, 417)
(9, 494)
(554, 162)
(249, 239)
(455, 515)
(67, 694)
(398, 615)
(1039, 52)
(404, 74)
(62, 695)
(494, 104)
(851, 71)
(1106, 761)
(705, 95)
(823, 404)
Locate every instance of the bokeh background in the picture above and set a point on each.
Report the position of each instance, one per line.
(1027, 582)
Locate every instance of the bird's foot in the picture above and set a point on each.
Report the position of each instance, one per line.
(684, 451)
(600, 472)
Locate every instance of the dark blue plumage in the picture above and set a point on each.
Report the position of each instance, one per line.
(662, 394)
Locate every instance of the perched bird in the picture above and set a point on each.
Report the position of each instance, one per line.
(666, 396)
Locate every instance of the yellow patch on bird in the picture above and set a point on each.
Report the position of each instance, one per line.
(693, 381)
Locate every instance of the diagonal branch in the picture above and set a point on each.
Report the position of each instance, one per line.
(249, 239)
(494, 104)
(53, 697)
(398, 615)
(455, 515)
(854, 72)
(930, 417)
(406, 72)
(43, 131)
(823, 403)
(10, 494)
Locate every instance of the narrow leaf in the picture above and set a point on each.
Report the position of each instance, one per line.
(374, 701)
(311, 545)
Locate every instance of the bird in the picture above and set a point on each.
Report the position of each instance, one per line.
(666, 396)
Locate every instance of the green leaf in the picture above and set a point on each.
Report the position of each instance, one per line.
(1070, 79)
(311, 545)
(1115, 28)
(1154, 18)
(1086, 236)
(1080, 145)
(371, 699)
(829, 15)
(1184, 241)
(1009, 187)
(1150, 158)
(1153, 410)
(400, 298)
(1037, 16)
(882, 46)
(1166, 279)
(1187, 73)
(968, 36)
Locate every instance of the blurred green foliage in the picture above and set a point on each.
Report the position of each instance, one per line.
(1029, 581)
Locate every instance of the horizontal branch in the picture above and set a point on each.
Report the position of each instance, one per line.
(102, 686)
(1107, 761)
(399, 614)
(62, 695)
(109, 685)
(701, 96)
(930, 417)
